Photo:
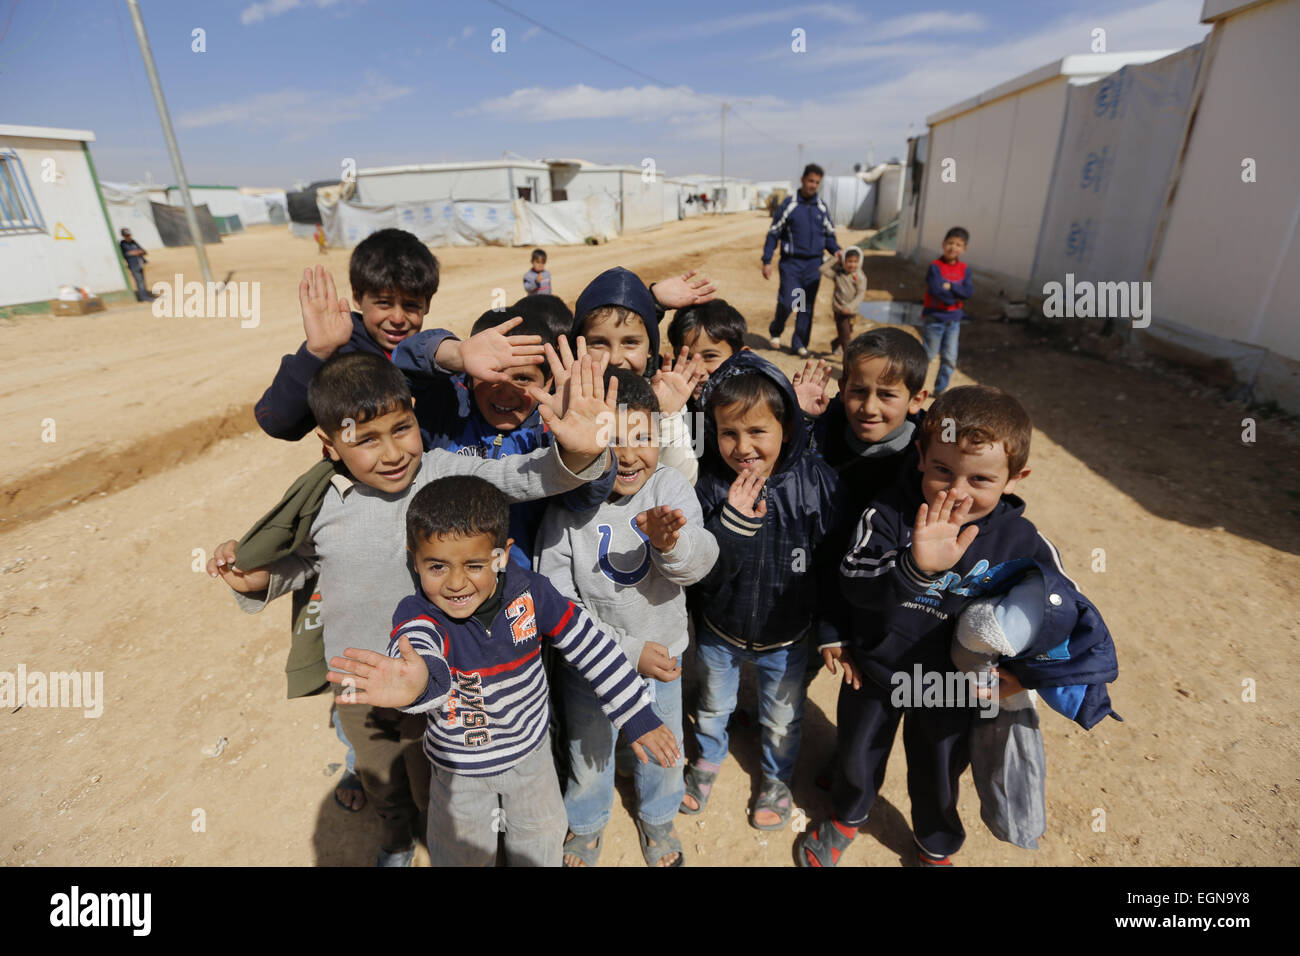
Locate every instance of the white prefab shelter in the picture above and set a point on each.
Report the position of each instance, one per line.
(990, 163)
(54, 229)
(738, 195)
(501, 180)
(1226, 261)
(637, 191)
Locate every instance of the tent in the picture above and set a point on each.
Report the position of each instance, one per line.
(129, 208)
(173, 229)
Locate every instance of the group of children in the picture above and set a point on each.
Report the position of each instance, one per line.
(523, 523)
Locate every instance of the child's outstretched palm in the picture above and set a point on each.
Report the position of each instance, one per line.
(674, 384)
(379, 680)
(744, 494)
(487, 354)
(662, 525)
(579, 416)
(810, 387)
(326, 318)
(938, 541)
(680, 292)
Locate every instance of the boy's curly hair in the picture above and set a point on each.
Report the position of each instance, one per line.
(980, 415)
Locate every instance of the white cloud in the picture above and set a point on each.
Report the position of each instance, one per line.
(299, 113)
(935, 22)
(266, 9)
(531, 32)
(637, 103)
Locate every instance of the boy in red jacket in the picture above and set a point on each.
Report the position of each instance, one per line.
(947, 285)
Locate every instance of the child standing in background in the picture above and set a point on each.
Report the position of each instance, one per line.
(947, 286)
(537, 281)
(850, 288)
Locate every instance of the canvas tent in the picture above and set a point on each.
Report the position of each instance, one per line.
(175, 231)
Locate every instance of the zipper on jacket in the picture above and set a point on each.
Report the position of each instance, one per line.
(758, 577)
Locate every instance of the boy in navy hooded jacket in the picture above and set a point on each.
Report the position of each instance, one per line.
(772, 504)
(927, 547)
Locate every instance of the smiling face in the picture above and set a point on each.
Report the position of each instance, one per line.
(459, 572)
(627, 343)
(749, 440)
(505, 405)
(391, 316)
(978, 472)
(873, 405)
(637, 449)
(383, 452)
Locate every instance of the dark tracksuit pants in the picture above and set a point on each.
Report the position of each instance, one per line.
(392, 765)
(797, 272)
(937, 743)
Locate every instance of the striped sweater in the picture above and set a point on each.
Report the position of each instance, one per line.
(487, 696)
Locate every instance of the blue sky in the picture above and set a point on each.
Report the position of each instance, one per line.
(286, 89)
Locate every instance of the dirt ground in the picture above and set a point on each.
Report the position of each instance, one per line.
(156, 454)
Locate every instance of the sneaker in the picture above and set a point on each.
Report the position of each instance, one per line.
(774, 343)
(395, 857)
(802, 353)
(928, 860)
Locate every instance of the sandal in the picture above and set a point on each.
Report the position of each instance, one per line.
(699, 784)
(776, 797)
(822, 846)
(665, 842)
(350, 781)
(580, 845)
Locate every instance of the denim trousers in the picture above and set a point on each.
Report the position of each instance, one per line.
(589, 794)
(941, 339)
(780, 700)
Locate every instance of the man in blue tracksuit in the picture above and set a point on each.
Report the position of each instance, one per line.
(803, 226)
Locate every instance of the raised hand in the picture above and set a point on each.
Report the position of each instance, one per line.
(581, 416)
(655, 662)
(660, 743)
(561, 364)
(662, 525)
(685, 290)
(222, 565)
(810, 387)
(938, 541)
(744, 493)
(379, 680)
(326, 318)
(674, 384)
(486, 355)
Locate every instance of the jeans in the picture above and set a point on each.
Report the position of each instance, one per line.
(343, 739)
(466, 814)
(589, 794)
(141, 292)
(941, 339)
(780, 700)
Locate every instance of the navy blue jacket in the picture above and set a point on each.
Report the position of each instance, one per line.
(282, 410)
(803, 227)
(774, 580)
(907, 618)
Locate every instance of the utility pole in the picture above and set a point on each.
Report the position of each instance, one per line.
(722, 191)
(801, 158)
(170, 136)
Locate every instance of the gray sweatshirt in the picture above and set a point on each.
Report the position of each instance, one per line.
(600, 559)
(358, 542)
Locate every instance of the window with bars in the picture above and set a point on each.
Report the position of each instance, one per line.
(18, 209)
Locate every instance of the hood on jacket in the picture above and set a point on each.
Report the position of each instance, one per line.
(622, 287)
(748, 362)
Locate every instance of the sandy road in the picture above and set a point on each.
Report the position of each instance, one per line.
(156, 442)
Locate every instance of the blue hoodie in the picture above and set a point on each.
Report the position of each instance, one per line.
(774, 582)
(619, 286)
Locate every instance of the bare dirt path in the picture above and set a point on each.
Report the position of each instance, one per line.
(155, 440)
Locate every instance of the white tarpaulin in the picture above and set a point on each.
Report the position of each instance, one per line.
(850, 201)
(468, 223)
(129, 208)
(261, 209)
(1118, 145)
